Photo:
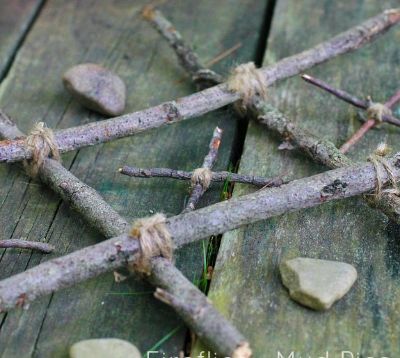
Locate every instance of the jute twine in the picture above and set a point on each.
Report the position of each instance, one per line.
(154, 239)
(41, 142)
(246, 80)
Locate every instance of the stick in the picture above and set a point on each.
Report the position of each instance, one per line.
(370, 123)
(187, 57)
(24, 244)
(324, 151)
(100, 215)
(215, 219)
(216, 176)
(348, 98)
(199, 189)
(356, 137)
(207, 100)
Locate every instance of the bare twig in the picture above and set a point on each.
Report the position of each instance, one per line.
(198, 189)
(208, 99)
(24, 244)
(216, 176)
(223, 54)
(348, 98)
(356, 137)
(215, 219)
(366, 126)
(100, 215)
(187, 57)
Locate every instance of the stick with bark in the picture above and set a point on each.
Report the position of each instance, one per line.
(216, 176)
(187, 57)
(207, 100)
(215, 219)
(24, 244)
(323, 151)
(217, 332)
(199, 188)
(343, 95)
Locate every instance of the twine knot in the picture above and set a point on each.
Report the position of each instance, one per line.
(246, 80)
(154, 239)
(41, 142)
(381, 164)
(202, 176)
(377, 110)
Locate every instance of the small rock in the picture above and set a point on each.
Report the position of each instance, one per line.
(317, 283)
(96, 88)
(104, 348)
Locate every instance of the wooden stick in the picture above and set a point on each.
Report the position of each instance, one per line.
(207, 100)
(93, 208)
(348, 98)
(356, 137)
(199, 189)
(24, 244)
(187, 57)
(216, 176)
(320, 150)
(94, 260)
(370, 123)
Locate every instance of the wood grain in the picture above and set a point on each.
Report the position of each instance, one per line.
(246, 284)
(112, 34)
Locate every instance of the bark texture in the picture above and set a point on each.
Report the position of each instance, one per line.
(206, 100)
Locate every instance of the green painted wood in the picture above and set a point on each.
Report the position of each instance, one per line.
(113, 34)
(16, 18)
(246, 285)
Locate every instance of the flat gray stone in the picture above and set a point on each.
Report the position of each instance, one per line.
(317, 284)
(96, 88)
(104, 348)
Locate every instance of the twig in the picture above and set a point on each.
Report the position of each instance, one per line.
(320, 150)
(198, 189)
(204, 319)
(187, 57)
(392, 101)
(366, 126)
(348, 98)
(223, 54)
(356, 137)
(208, 99)
(24, 244)
(216, 176)
(92, 261)
(100, 215)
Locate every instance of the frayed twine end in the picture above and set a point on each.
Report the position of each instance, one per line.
(382, 165)
(248, 81)
(154, 239)
(377, 110)
(42, 143)
(202, 176)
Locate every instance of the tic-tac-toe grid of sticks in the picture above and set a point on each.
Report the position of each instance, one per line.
(123, 248)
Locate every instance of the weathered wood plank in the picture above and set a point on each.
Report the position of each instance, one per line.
(16, 17)
(246, 284)
(112, 34)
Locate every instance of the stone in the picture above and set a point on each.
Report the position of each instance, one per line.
(317, 284)
(96, 88)
(104, 348)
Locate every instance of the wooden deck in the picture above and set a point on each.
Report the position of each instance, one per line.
(39, 40)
